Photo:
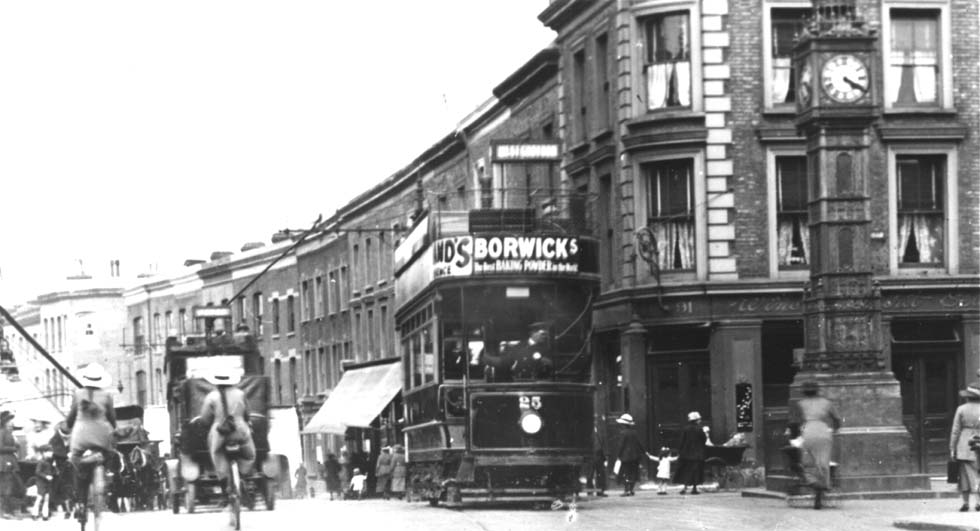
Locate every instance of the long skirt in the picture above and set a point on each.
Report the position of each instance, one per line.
(689, 472)
(629, 472)
(969, 481)
(818, 441)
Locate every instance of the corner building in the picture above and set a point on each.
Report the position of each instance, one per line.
(679, 116)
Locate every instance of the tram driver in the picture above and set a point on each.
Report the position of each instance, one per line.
(528, 361)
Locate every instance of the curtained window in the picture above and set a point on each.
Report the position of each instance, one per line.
(921, 214)
(913, 64)
(786, 25)
(792, 232)
(671, 212)
(667, 63)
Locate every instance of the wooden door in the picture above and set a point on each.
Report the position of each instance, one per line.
(929, 387)
(677, 385)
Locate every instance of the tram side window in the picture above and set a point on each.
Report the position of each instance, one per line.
(419, 347)
(456, 357)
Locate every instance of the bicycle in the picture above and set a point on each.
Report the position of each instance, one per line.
(96, 495)
(235, 487)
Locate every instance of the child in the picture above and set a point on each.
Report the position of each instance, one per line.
(357, 483)
(43, 477)
(663, 468)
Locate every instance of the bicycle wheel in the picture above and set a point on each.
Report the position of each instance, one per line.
(234, 493)
(98, 496)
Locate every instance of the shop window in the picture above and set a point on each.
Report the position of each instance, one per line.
(792, 231)
(920, 209)
(671, 212)
(667, 60)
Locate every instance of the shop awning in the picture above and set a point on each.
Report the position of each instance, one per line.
(27, 402)
(357, 399)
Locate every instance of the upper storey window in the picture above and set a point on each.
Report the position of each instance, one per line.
(913, 63)
(920, 209)
(785, 25)
(667, 61)
(671, 212)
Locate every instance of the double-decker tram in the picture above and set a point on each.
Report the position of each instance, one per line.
(494, 321)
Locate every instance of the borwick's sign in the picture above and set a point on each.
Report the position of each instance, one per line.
(479, 255)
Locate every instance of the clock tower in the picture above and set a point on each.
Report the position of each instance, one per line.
(837, 102)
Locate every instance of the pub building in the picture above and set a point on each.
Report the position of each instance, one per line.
(721, 213)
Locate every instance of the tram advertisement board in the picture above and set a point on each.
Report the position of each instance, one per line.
(470, 255)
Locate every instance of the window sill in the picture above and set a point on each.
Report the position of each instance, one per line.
(897, 112)
(602, 134)
(664, 117)
(779, 112)
(579, 148)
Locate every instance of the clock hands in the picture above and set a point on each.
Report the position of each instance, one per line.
(854, 84)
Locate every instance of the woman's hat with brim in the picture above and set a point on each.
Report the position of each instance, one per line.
(95, 375)
(971, 391)
(694, 415)
(625, 418)
(224, 376)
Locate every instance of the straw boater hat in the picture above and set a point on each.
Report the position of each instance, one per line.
(971, 391)
(694, 415)
(224, 376)
(625, 418)
(94, 375)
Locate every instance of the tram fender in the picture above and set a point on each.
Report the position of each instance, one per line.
(466, 473)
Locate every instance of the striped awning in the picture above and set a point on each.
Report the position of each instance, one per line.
(357, 399)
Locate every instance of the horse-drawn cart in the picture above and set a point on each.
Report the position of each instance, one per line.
(140, 483)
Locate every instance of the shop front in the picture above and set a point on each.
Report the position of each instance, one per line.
(731, 352)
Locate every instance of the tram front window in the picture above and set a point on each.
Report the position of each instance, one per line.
(540, 336)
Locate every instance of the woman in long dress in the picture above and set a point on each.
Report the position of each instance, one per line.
(819, 421)
(966, 427)
(399, 471)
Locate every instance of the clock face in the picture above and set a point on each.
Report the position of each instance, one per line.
(845, 78)
(804, 89)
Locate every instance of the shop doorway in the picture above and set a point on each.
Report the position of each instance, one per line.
(926, 359)
(678, 384)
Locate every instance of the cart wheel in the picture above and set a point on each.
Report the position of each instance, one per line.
(270, 495)
(189, 493)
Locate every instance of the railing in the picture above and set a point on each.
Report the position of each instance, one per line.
(511, 209)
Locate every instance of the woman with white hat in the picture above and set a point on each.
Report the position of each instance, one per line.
(966, 428)
(91, 419)
(629, 454)
(690, 465)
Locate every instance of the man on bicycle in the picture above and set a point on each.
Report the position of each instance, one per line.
(225, 409)
(92, 419)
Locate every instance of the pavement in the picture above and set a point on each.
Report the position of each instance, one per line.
(712, 510)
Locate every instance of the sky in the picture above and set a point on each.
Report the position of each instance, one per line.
(154, 132)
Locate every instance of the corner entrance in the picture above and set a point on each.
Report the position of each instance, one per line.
(678, 382)
(925, 360)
